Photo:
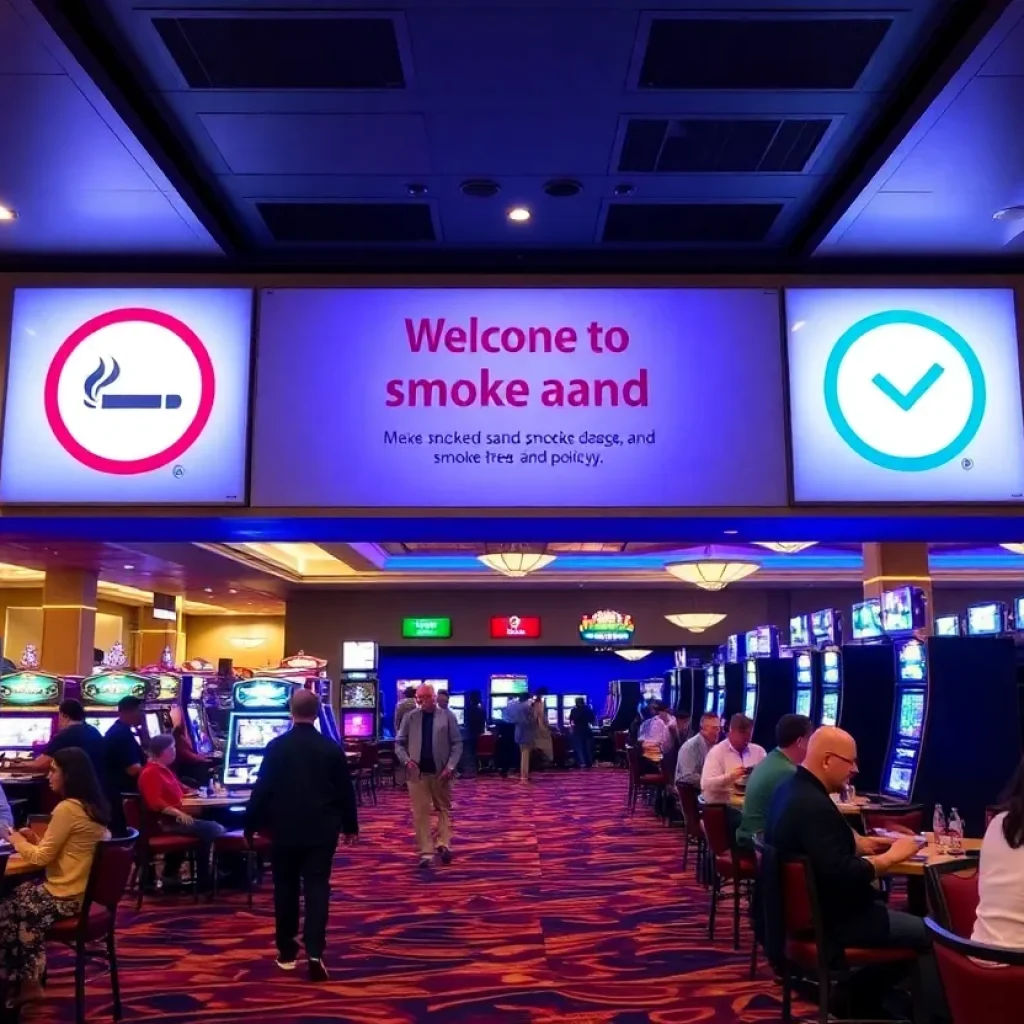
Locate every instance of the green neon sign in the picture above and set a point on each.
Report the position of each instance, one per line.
(426, 629)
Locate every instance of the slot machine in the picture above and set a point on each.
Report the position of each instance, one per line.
(360, 691)
(100, 695)
(162, 708)
(259, 713)
(500, 690)
(568, 703)
(827, 633)
(730, 681)
(804, 673)
(708, 703)
(650, 691)
(947, 625)
(213, 692)
(457, 704)
(310, 672)
(768, 683)
(551, 708)
(28, 712)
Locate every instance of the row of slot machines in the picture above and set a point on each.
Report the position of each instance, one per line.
(29, 700)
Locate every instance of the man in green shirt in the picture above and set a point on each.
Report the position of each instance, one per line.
(791, 736)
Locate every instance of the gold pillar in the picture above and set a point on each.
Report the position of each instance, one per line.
(69, 621)
(887, 566)
(151, 636)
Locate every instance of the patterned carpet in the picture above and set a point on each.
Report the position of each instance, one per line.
(558, 908)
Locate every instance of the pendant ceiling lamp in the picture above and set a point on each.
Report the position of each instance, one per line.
(632, 653)
(516, 560)
(786, 547)
(695, 622)
(712, 572)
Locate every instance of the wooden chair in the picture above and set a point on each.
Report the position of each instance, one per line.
(689, 804)
(730, 866)
(620, 740)
(151, 843)
(387, 762)
(952, 891)
(96, 922)
(486, 750)
(647, 783)
(365, 774)
(978, 993)
(795, 937)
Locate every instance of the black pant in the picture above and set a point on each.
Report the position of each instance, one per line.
(311, 865)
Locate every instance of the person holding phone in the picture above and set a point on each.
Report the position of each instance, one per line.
(66, 851)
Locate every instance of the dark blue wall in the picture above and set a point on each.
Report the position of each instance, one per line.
(559, 669)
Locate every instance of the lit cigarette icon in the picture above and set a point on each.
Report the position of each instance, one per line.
(101, 378)
(140, 402)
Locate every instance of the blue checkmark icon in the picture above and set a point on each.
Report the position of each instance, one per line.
(908, 400)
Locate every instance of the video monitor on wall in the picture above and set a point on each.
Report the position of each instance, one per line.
(947, 625)
(867, 619)
(359, 656)
(986, 619)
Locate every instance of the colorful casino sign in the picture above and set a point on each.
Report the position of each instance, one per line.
(607, 627)
(29, 689)
(262, 693)
(515, 627)
(111, 688)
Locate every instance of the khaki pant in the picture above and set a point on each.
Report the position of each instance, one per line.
(525, 750)
(431, 793)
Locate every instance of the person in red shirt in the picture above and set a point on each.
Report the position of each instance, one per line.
(162, 795)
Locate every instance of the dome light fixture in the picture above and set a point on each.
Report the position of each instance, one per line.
(696, 622)
(712, 572)
(786, 547)
(516, 561)
(633, 653)
(519, 215)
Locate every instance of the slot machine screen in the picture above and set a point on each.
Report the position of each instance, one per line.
(498, 704)
(720, 704)
(1018, 614)
(985, 619)
(803, 671)
(830, 667)
(652, 689)
(900, 777)
(709, 701)
(823, 626)
(947, 625)
(911, 720)
(750, 703)
(18, 731)
(356, 725)
(101, 725)
(359, 695)
(799, 633)
(256, 733)
(829, 708)
(911, 665)
(732, 649)
(803, 702)
(358, 656)
(551, 708)
(153, 724)
(509, 685)
(204, 745)
(750, 643)
(867, 619)
(751, 673)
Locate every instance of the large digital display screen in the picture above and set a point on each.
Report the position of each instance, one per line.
(256, 733)
(911, 712)
(502, 397)
(127, 396)
(905, 395)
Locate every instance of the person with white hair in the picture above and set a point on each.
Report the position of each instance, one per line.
(429, 745)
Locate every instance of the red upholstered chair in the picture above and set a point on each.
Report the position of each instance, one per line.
(97, 920)
(486, 748)
(235, 842)
(953, 896)
(151, 843)
(364, 776)
(977, 993)
(795, 938)
(910, 817)
(689, 804)
(639, 780)
(730, 866)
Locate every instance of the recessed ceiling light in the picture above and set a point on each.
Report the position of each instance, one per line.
(232, 591)
(129, 566)
(480, 188)
(1009, 213)
(519, 214)
(207, 590)
(562, 188)
(6, 213)
(730, 533)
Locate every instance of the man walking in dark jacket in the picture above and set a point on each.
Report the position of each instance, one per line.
(303, 799)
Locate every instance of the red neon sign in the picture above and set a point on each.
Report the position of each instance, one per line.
(515, 627)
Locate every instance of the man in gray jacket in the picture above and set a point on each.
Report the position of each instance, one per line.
(429, 746)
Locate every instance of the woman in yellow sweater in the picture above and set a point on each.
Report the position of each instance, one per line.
(66, 851)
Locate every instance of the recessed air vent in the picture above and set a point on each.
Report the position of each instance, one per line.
(348, 223)
(282, 53)
(760, 53)
(689, 223)
(480, 188)
(562, 188)
(706, 145)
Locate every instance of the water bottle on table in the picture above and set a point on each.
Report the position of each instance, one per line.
(956, 832)
(939, 826)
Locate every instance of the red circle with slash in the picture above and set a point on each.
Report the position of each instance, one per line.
(129, 467)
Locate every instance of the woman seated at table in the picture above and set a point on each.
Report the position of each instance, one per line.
(1000, 920)
(66, 851)
(162, 796)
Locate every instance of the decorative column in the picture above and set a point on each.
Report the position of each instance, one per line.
(69, 621)
(887, 566)
(153, 635)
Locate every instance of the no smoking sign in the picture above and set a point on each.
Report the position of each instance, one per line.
(129, 391)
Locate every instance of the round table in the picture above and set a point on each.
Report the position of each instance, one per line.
(18, 867)
(202, 803)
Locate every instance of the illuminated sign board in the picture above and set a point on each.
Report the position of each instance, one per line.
(607, 627)
(110, 688)
(517, 627)
(25, 689)
(426, 629)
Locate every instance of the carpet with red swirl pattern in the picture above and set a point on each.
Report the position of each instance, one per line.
(559, 907)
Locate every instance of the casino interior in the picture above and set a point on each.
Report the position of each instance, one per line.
(657, 370)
